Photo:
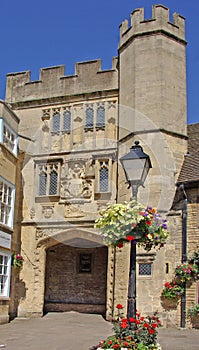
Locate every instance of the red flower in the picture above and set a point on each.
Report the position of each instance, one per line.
(146, 325)
(151, 331)
(131, 319)
(119, 306)
(141, 213)
(123, 325)
(130, 238)
(116, 346)
(149, 223)
(120, 245)
(154, 325)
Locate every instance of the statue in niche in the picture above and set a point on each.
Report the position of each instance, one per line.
(45, 134)
(73, 180)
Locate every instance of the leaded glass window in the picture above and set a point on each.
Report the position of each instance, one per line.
(100, 117)
(56, 122)
(42, 183)
(145, 269)
(89, 118)
(53, 183)
(48, 179)
(67, 121)
(103, 181)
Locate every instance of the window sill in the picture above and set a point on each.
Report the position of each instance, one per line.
(102, 195)
(45, 199)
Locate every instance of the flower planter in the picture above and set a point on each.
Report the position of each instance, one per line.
(170, 304)
(195, 322)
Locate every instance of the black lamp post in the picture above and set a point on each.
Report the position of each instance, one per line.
(136, 165)
(184, 253)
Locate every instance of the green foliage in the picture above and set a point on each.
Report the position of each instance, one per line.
(193, 311)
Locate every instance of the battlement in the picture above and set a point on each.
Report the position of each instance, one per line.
(159, 21)
(89, 77)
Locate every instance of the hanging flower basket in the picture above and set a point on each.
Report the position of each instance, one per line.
(17, 261)
(186, 273)
(171, 295)
(131, 221)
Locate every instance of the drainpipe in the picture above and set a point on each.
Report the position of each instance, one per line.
(184, 253)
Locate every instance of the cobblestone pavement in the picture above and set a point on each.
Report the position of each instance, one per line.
(74, 331)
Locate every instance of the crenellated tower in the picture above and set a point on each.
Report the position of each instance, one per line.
(153, 67)
(152, 94)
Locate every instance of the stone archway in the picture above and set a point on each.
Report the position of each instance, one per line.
(75, 272)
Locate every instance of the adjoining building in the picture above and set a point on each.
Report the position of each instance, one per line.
(8, 165)
(75, 128)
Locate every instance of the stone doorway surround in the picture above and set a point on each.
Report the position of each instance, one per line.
(67, 243)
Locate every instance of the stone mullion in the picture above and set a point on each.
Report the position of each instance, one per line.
(110, 283)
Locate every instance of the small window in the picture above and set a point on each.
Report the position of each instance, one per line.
(56, 122)
(103, 181)
(144, 269)
(6, 203)
(5, 263)
(67, 121)
(89, 118)
(100, 117)
(8, 137)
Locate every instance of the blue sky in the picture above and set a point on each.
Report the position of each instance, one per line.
(43, 33)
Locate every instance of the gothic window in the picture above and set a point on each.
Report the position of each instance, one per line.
(89, 118)
(56, 122)
(48, 175)
(103, 180)
(42, 183)
(6, 203)
(100, 117)
(67, 121)
(5, 263)
(53, 183)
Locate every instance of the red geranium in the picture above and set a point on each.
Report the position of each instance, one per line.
(130, 238)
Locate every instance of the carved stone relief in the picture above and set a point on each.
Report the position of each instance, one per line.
(72, 211)
(47, 211)
(74, 183)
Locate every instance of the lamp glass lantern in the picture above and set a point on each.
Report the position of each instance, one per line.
(136, 165)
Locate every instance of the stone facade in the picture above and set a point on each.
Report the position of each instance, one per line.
(73, 131)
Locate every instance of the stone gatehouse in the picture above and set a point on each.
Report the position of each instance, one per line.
(72, 132)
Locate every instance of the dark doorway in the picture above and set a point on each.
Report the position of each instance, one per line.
(76, 279)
